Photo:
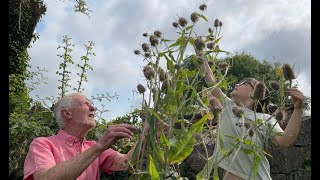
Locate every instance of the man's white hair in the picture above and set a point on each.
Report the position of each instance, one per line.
(65, 102)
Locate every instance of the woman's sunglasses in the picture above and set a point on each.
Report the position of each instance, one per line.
(244, 82)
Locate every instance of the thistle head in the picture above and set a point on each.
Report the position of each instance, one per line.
(238, 111)
(259, 91)
(220, 23)
(210, 45)
(199, 43)
(183, 22)
(223, 65)
(162, 74)
(251, 132)
(287, 71)
(215, 105)
(194, 17)
(148, 72)
(141, 88)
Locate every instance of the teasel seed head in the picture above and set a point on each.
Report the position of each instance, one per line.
(203, 7)
(148, 72)
(145, 34)
(288, 72)
(220, 23)
(238, 111)
(247, 125)
(177, 66)
(210, 45)
(147, 54)
(280, 115)
(199, 43)
(259, 91)
(145, 47)
(183, 21)
(175, 24)
(137, 52)
(194, 17)
(223, 65)
(215, 105)
(216, 23)
(153, 40)
(251, 132)
(198, 137)
(141, 88)
(157, 34)
(162, 74)
(275, 85)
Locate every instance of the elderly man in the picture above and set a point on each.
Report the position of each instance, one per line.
(68, 155)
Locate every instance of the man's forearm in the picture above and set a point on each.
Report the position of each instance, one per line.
(72, 168)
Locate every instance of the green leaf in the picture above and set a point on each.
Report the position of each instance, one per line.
(203, 17)
(189, 27)
(152, 170)
(163, 140)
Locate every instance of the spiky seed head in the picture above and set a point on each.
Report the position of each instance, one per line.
(194, 17)
(198, 137)
(251, 132)
(141, 88)
(145, 47)
(147, 54)
(237, 111)
(223, 65)
(215, 105)
(175, 24)
(177, 66)
(259, 91)
(280, 115)
(145, 34)
(275, 85)
(153, 40)
(148, 72)
(210, 45)
(165, 85)
(137, 52)
(216, 23)
(203, 7)
(162, 75)
(157, 34)
(199, 43)
(183, 22)
(288, 72)
(247, 125)
(220, 23)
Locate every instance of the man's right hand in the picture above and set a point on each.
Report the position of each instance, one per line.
(114, 133)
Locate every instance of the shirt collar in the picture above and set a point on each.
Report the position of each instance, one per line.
(67, 137)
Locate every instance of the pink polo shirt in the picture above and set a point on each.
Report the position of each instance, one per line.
(46, 152)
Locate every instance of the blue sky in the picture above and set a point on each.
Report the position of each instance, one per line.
(272, 30)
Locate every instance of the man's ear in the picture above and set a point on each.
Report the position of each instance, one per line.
(66, 114)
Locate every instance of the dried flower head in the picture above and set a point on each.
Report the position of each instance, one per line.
(157, 34)
(215, 105)
(210, 45)
(147, 54)
(183, 21)
(216, 23)
(275, 85)
(148, 72)
(145, 34)
(223, 65)
(288, 72)
(194, 17)
(210, 30)
(153, 40)
(251, 132)
(175, 24)
(177, 66)
(259, 91)
(203, 7)
(280, 115)
(165, 85)
(247, 125)
(199, 43)
(145, 47)
(137, 52)
(162, 74)
(238, 111)
(141, 88)
(220, 23)
(198, 137)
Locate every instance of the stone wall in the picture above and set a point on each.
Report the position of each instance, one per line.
(293, 163)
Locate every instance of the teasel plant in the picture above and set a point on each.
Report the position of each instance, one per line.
(170, 94)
